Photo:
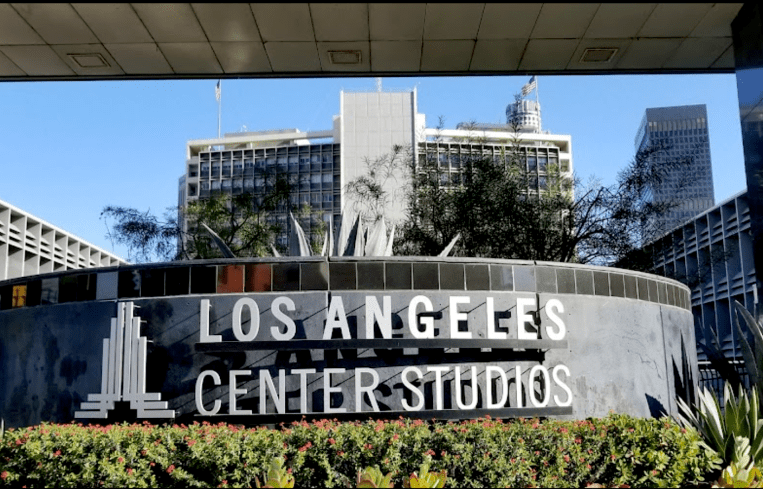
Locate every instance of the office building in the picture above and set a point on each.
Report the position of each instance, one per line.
(29, 246)
(321, 163)
(682, 132)
(713, 255)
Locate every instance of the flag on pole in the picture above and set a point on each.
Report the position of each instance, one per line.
(530, 86)
(217, 90)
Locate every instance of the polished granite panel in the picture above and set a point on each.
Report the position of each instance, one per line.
(663, 292)
(371, 276)
(584, 282)
(6, 297)
(129, 283)
(177, 281)
(565, 280)
(398, 276)
(524, 279)
(426, 276)
(49, 293)
(33, 293)
(643, 289)
(545, 280)
(203, 279)
(285, 276)
(652, 285)
(230, 279)
(152, 283)
(107, 285)
(87, 286)
(258, 277)
(616, 285)
(452, 276)
(601, 283)
(315, 276)
(477, 277)
(501, 277)
(631, 286)
(67, 288)
(343, 276)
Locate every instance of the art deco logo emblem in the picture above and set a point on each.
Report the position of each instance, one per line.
(123, 374)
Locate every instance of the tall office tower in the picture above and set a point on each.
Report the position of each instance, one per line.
(683, 132)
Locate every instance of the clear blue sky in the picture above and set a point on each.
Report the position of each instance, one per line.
(70, 148)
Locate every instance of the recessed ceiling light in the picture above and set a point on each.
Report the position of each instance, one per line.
(598, 55)
(351, 57)
(89, 60)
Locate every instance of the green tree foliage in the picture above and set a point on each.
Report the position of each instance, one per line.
(241, 221)
(490, 207)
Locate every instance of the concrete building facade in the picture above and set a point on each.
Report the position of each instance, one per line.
(30, 246)
(713, 255)
(320, 164)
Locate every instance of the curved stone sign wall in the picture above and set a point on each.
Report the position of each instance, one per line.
(264, 341)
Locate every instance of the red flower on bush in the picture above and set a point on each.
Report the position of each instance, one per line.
(4, 475)
(129, 470)
(304, 447)
(57, 453)
(170, 469)
(191, 443)
(429, 452)
(566, 458)
(331, 441)
(340, 453)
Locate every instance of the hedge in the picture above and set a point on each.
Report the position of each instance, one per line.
(616, 450)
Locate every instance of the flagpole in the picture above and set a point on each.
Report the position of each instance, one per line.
(537, 103)
(219, 106)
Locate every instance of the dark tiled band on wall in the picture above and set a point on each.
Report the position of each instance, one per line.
(341, 275)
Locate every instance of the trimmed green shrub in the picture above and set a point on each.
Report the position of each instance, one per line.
(614, 450)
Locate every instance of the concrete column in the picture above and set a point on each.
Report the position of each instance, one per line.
(747, 31)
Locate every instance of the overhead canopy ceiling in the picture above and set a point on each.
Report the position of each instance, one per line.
(141, 40)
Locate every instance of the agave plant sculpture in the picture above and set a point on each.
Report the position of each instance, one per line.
(354, 238)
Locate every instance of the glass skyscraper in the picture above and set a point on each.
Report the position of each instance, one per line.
(682, 134)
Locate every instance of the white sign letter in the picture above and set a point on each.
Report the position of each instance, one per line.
(374, 314)
(492, 333)
(336, 318)
(232, 391)
(413, 322)
(456, 316)
(561, 384)
(291, 328)
(489, 370)
(254, 314)
(200, 388)
(359, 389)
(438, 371)
(302, 372)
(327, 390)
(412, 388)
(552, 306)
(279, 398)
(204, 324)
(459, 395)
(546, 386)
(524, 318)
